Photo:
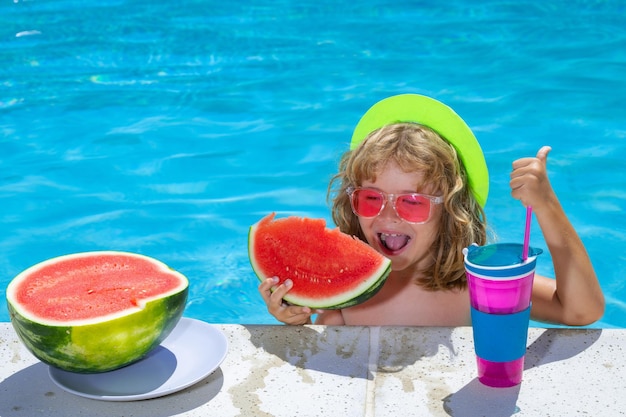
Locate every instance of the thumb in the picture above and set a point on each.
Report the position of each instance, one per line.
(542, 155)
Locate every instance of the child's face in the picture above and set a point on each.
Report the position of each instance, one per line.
(404, 243)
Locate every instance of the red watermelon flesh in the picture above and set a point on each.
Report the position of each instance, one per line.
(87, 288)
(329, 269)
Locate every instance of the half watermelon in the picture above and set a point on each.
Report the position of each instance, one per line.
(329, 269)
(95, 311)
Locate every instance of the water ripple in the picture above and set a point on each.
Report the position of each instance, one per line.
(170, 130)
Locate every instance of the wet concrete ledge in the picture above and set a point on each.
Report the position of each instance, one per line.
(353, 371)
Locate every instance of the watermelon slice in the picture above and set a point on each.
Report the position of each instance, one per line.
(95, 311)
(329, 269)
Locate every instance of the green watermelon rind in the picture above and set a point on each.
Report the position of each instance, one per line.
(363, 292)
(369, 293)
(104, 344)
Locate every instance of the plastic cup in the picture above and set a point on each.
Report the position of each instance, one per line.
(500, 286)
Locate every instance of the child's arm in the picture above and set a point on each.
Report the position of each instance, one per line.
(575, 298)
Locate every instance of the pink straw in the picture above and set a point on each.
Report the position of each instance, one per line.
(529, 213)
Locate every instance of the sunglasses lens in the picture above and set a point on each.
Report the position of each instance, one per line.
(413, 208)
(367, 203)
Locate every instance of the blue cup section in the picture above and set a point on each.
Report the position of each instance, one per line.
(500, 337)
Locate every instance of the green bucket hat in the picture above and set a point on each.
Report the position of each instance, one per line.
(415, 108)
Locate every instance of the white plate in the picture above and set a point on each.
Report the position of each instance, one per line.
(189, 354)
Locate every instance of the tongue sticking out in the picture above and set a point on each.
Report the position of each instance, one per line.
(394, 242)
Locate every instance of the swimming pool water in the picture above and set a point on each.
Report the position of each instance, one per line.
(168, 128)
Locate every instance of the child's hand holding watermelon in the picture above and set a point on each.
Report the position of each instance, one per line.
(288, 314)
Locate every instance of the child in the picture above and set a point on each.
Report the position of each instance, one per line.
(417, 198)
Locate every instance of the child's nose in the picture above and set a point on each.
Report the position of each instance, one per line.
(389, 211)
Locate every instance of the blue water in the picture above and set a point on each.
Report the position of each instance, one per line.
(168, 129)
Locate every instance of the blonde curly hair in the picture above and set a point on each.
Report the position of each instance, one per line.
(416, 148)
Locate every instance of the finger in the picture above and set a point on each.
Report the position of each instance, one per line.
(282, 289)
(265, 288)
(542, 155)
(298, 319)
(521, 163)
(289, 314)
(299, 315)
(299, 311)
(268, 283)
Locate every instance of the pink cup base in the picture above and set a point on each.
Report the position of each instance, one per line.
(500, 374)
